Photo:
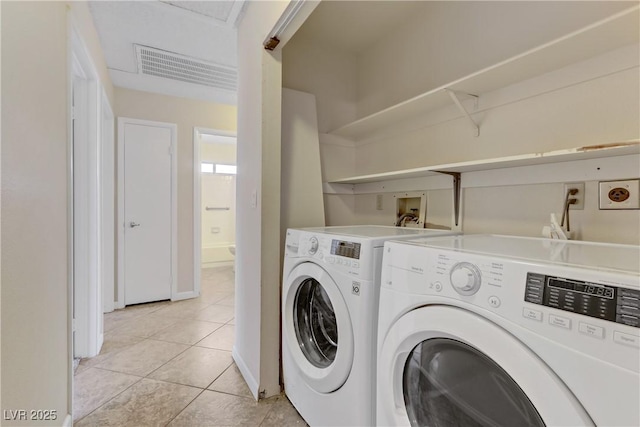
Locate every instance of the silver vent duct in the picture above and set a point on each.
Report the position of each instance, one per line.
(170, 65)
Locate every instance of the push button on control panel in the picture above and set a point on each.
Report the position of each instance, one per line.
(626, 339)
(562, 322)
(591, 330)
(494, 301)
(532, 314)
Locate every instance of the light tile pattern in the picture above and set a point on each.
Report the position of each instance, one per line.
(169, 363)
(188, 331)
(222, 339)
(196, 367)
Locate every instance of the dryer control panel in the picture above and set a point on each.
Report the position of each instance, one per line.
(612, 303)
(350, 256)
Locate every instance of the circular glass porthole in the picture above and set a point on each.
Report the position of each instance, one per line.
(315, 324)
(449, 383)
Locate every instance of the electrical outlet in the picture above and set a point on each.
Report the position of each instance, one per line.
(579, 196)
(620, 194)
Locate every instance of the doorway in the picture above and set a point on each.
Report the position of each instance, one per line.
(214, 199)
(87, 228)
(147, 211)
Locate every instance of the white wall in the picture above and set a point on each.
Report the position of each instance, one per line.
(599, 111)
(450, 40)
(36, 358)
(257, 346)
(524, 209)
(325, 71)
(590, 103)
(337, 160)
(602, 110)
(330, 74)
(187, 114)
(301, 182)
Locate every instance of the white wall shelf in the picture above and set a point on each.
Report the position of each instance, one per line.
(623, 156)
(580, 153)
(603, 36)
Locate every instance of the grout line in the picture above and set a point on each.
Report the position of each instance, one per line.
(186, 406)
(137, 317)
(173, 358)
(221, 374)
(110, 399)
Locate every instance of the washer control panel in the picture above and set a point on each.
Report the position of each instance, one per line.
(606, 302)
(465, 278)
(337, 254)
(345, 249)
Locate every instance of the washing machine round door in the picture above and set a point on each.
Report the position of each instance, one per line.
(443, 366)
(317, 327)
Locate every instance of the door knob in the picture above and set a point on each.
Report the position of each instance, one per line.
(134, 224)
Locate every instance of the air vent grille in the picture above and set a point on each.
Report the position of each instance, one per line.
(170, 65)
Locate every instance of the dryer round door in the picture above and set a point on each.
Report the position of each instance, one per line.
(443, 366)
(317, 327)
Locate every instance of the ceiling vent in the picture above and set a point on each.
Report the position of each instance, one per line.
(170, 65)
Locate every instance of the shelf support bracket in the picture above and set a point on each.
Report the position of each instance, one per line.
(456, 100)
(457, 194)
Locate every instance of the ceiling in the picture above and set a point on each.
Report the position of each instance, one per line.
(353, 26)
(205, 32)
(185, 48)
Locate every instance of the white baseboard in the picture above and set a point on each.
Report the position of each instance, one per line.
(67, 421)
(217, 264)
(184, 295)
(246, 373)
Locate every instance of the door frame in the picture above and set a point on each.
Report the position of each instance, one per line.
(122, 121)
(107, 178)
(85, 218)
(197, 200)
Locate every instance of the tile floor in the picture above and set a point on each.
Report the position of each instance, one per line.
(169, 363)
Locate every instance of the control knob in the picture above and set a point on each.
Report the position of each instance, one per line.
(313, 248)
(465, 278)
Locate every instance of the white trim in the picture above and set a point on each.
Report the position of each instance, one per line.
(148, 83)
(85, 189)
(107, 203)
(197, 202)
(246, 373)
(218, 264)
(184, 295)
(197, 217)
(120, 303)
(292, 18)
(67, 422)
(70, 235)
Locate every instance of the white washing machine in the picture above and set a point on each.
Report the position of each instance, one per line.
(330, 295)
(481, 330)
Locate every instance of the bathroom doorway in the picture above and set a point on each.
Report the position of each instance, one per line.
(214, 199)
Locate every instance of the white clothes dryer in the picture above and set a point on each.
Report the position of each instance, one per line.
(331, 280)
(481, 330)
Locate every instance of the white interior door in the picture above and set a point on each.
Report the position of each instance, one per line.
(148, 210)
